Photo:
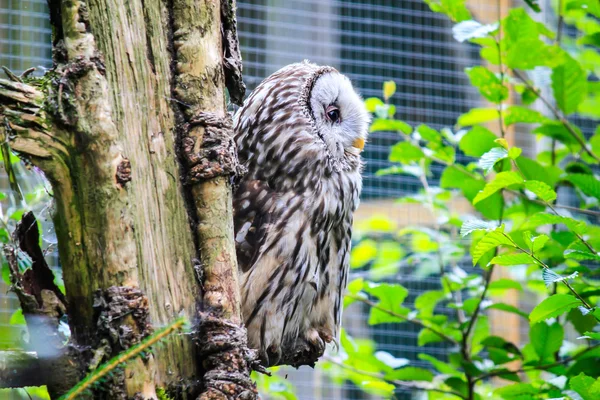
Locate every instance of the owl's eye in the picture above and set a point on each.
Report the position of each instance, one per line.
(333, 114)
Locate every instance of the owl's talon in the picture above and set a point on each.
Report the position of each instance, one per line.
(273, 355)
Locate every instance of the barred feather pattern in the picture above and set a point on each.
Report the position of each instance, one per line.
(293, 208)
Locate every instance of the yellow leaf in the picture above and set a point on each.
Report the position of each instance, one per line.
(389, 88)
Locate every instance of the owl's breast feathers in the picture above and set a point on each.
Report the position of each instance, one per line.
(293, 221)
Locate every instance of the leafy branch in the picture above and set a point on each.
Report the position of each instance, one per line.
(402, 317)
(546, 267)
(558, 116)
(404, 384)
(542, 367)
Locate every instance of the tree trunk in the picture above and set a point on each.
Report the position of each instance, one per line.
(131, 129)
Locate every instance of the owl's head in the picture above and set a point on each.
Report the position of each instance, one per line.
(301, 121)
(337, 112)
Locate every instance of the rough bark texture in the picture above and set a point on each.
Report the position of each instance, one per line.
(19, 369)
(202, 36)
(133, 84)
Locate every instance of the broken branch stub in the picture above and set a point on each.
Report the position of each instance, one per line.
(43, 306)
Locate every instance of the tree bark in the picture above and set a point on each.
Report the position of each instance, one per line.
(131, 129)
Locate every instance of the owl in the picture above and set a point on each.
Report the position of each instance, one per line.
(300, 135)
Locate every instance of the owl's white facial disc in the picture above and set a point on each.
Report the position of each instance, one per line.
(339, 114)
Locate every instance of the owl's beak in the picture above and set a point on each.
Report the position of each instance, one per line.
(359, 143)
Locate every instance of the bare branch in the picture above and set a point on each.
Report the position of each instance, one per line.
(19, 369)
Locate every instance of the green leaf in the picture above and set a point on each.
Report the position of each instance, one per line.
(569, 83)
(588, 184)
(425, 303)
(458, 177)
(363, 253)
(505, 283)
(480, 332)
(553, 306)
(587, 387)
(535, 243)
(9, 168)
(372, 103)
(390, 298)
(579, 251)
(410, 374)
(528, 96)
(518, 391)
(582, 323)
(513, 259)
(500, 343)
(522, 115)
(541, 190)
(17, 318)
(558, 131)
(502, 180)
(490, 241)
(533, 4)
(390, 125)
(477, 141)
(507, 308)
(514, 153)
(546, 339)
(489, 85)
(446, 155)
(405, 152)
(502, 142)
(592, 335)
(376, 387)
(530, 53)
(387, 262)
(456, 10)
(518, 25)
(468, 30)
(426, 336)
(6, 273)
(593, 39)
(477, 116)
(476, 225)
(532, 170)
(489, 159)
(429, 134)
(441, 366)
(354, 288)
(389, 88)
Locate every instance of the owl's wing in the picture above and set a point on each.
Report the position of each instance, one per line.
(256, 208)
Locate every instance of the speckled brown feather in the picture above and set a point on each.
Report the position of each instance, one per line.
(293, 211)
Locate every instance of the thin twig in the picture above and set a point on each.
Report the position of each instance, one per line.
(585, 242)
(404, 318)
(393, 381)
(561, 206)
(558, 116)
(543, 265)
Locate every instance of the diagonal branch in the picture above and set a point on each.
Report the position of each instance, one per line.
(559, 116)
(404, 318)
(542, 367)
